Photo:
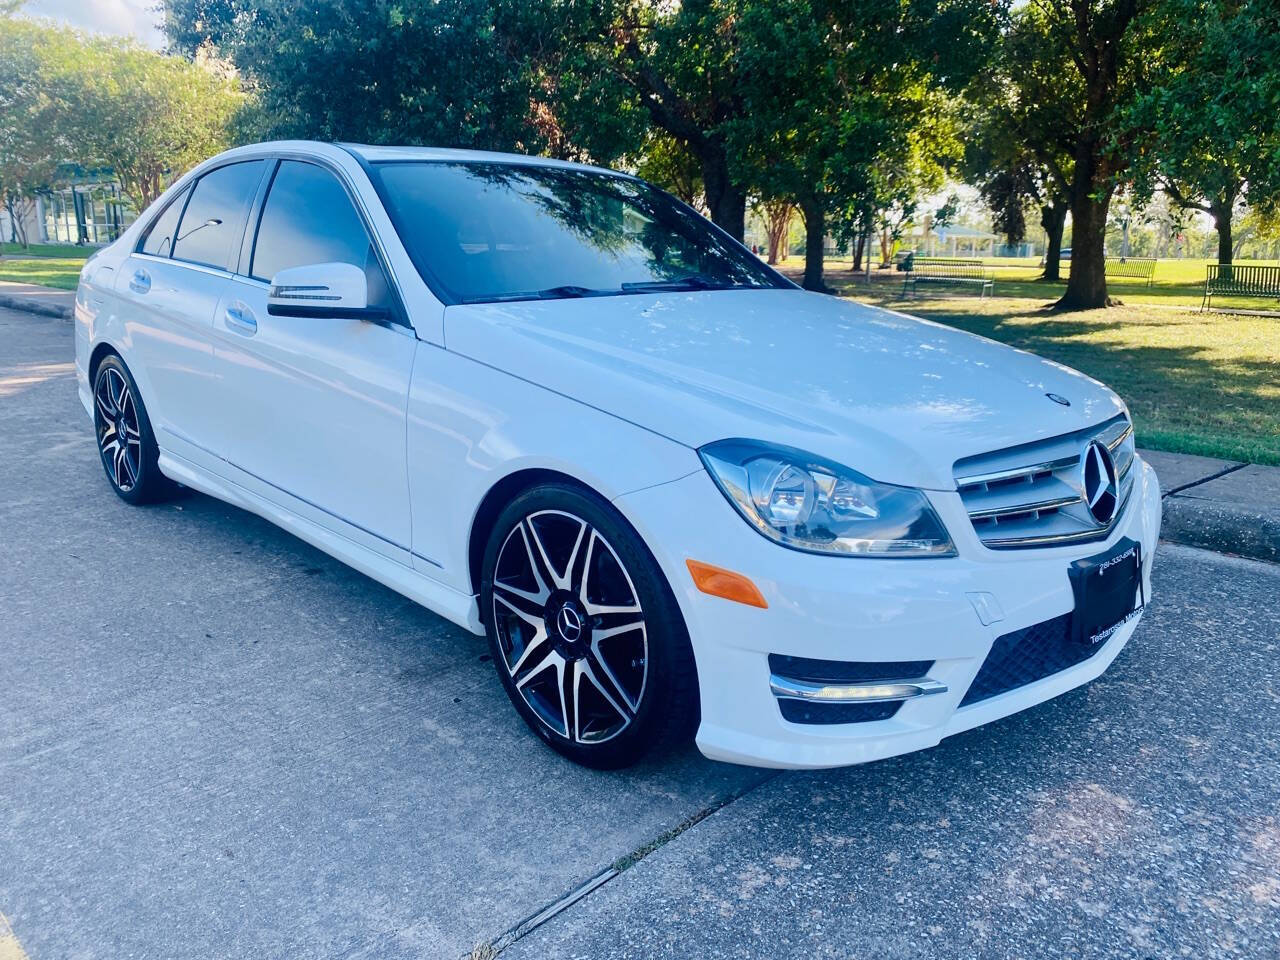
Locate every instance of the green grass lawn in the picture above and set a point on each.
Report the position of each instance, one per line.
(1175, 283)
(60, 272)
(67, 251)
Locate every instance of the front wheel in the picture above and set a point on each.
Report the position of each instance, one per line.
(585, 634)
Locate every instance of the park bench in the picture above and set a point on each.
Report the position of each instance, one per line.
(950, 271)
(1133, 268)
(1232, 280)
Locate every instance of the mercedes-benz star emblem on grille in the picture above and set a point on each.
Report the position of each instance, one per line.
(1058, 398)
(1099, 484)
(569, 624)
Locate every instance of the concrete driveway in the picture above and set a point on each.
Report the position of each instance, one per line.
(217, 742)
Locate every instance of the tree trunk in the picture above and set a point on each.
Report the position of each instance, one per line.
(726, 202)
(857, 252)
(778, 217)
(1222, 223)
(814, 234)
(1090, 200)
(1053, 217)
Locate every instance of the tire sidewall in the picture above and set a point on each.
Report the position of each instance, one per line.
(668, 643)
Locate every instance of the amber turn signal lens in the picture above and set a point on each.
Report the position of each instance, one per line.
(725, 583)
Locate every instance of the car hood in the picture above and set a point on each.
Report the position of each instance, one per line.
(897, 398)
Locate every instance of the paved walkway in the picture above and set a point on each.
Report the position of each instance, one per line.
(216, 741)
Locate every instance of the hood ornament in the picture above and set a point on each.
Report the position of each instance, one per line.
(1059, 399)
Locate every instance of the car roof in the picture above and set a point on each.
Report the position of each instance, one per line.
(383, 154)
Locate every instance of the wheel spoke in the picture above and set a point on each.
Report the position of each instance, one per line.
(533, 646)
(117, 462)
(552, 661)
(115, 387)
(131, 472)
(562, 581)
(105, 410)
(604, 633)
(597, 609)
(604, 684)
(528, 605)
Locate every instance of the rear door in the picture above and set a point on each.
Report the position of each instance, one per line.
(315, 408)
(170, 287)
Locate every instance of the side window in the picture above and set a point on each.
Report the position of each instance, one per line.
(308, 218)
(213, 224)
(158, 240)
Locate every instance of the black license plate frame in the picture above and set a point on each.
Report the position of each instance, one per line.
(1109, 592)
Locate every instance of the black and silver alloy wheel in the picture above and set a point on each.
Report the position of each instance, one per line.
(119, 437)
(125, 441)
(585, 633)
(570, 626)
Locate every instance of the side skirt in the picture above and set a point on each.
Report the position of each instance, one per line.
(460, 608)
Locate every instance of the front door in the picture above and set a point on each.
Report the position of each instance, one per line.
(315, 408)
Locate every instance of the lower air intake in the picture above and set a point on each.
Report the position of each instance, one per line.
(1028, 655)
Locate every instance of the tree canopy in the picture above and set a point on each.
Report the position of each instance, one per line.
(68, 97)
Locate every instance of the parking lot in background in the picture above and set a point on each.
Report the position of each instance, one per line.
(215, 741)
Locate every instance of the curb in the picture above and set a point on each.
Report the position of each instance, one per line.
(29, 305)
(1221, 527)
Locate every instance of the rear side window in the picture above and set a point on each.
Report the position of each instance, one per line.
(213, 223)
(159, 237)
(308, 218)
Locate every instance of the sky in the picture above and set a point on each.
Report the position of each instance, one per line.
(135, 18)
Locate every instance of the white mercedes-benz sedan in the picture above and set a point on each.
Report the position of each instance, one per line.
(680, 495)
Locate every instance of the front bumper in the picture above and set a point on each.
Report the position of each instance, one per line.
(859, 609)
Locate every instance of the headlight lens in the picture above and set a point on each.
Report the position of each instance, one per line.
(807, 503)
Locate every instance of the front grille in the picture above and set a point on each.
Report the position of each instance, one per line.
(1026, 656)
(1030, 495)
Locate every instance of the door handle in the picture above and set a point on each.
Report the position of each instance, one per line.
(140, 282)
(240, 319)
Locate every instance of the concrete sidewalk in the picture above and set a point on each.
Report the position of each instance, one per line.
(32, 298)
(1220, 505)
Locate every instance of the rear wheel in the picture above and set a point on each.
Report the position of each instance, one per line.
(585, 634)
(126, 443)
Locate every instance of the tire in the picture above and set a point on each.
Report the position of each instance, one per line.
(574, 603)
(118, 411)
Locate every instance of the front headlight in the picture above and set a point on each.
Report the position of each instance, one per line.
(807, 503)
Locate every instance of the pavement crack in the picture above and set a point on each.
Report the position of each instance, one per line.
(491, 949)
(1196, 483)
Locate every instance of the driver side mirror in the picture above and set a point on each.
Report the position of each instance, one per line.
(324, 291)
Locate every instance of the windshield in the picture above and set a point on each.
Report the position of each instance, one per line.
(483, 232)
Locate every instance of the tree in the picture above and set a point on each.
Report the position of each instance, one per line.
(843, 101)
(455, 73)
(1206, 124)
(29, 146)
(1104, 45)
(1019, 149)
(96, 102)
(778, 215)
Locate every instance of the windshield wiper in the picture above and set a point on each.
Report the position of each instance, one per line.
(566, 292)
(694, 281)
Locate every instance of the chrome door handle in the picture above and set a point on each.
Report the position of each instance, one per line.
(140, 282)
(240, 319)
